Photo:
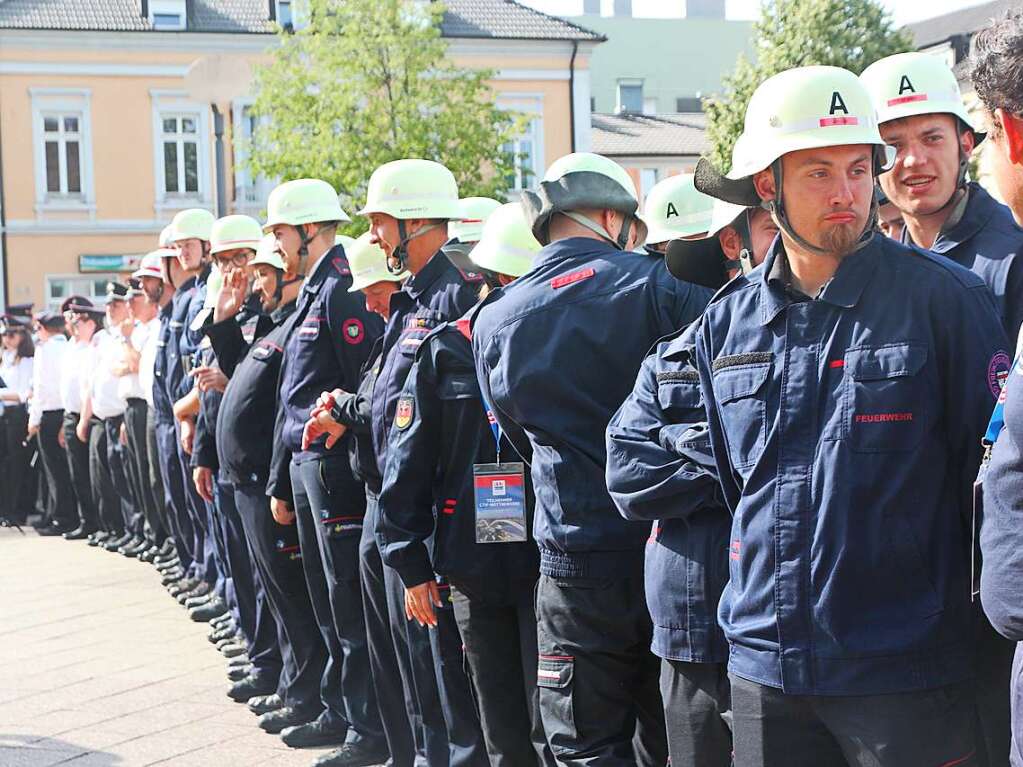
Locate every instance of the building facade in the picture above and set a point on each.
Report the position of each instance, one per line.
(101, 142)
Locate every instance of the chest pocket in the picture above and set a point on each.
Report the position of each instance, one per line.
(885, 397)
(678, 393)
(265, 351)
(458, 384)
(309, 330)
(739, 386)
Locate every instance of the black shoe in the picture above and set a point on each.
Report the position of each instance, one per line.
(233, 650)
(222, 622)
(264, 704)
(353, 755)
(315, 734)
(50, 530)
(162, 559)
(99, 537)
(167, 547)
(135, 547)
(201, 589)
(182, 586)
(204, 613)
(275, 721)
(79, 533)
(238, 673)
(148, 555)
(228, 632)
(172, 565)
(250, 687)
(172, 577)
(193, 602)
(116, 541)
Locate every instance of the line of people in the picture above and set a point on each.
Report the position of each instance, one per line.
(513, 485)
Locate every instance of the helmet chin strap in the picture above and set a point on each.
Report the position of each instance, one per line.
(623, 236)
(398, 259)
(742, 226)
(776, 208)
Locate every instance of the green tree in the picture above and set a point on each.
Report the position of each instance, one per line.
(364, 82)
(795, 33)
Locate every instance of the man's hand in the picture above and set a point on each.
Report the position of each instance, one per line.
(123, 436)
(82, 430)
(32, 431)
(209, 377)
(281, 511)
(61, 439)
(232, 295)
(202, 477)
(420, 601)
(187, 435)
(319, 424)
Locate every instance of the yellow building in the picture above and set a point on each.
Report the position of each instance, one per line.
(101, 143)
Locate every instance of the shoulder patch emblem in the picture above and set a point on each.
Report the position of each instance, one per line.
(997, 373)
(353, 331)
(404, 412)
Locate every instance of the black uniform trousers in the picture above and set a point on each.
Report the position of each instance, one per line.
(136, 417)
(14, 469)
(324, 488)
(119, 475)
(697, 713)
(929, 728)
(60, 504)
(178, 515)
(77, 457)
(497, 624)
(395, 693)
(154, 479)
(256, 622)
(599, 682)
(104, 494)
(195, 508)
(278, 558)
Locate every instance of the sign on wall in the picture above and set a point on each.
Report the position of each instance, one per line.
(108, 263)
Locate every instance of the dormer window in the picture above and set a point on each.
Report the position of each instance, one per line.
(167, 14)
(284, 17)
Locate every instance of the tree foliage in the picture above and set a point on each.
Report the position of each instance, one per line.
(795, 33)
(364, 82)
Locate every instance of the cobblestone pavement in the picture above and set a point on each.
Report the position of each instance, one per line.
(99, 667)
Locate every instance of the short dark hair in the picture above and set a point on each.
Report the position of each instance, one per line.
(996, 64)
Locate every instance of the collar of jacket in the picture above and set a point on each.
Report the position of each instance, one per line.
(977, 212)
(282, 312)
(843, 289)
(315, 280)
(420, 282)
(574, 247)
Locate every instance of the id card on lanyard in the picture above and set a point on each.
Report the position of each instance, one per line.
(500, 493)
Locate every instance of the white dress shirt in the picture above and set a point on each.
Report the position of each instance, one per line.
(147, 362)
(129, 386)
(107, 401)
(17, 375)
(77, 363)
(46, 375)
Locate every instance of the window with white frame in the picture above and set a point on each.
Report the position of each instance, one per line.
(179, 141)
(181, 149)
(168, 14)
(630, 96)
(93, 287)
(251, 191)
(284, 17)
(527, 148)
(63, 151)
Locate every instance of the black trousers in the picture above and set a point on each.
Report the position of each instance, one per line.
(60, 505)
(154, 480)
(697, 713)
(992, 691)
(599, 694)
(395, 694)
(498, 627)
(14, 467)
(104, 494)
(178, 516)
(136, 417)
(257, 622)
(325, 490)
(278, 558)
(916, 729)
(77, 456)
(117, 461)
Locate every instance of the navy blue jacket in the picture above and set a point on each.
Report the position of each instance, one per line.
(987, 240)
(660, 468)
(162, 404)
(847, 430)
(331, 337)
(428, 489)
(175, 379)
(557, 353)
(190, 339)
(437, 294)
(250, 399)
(355, 410)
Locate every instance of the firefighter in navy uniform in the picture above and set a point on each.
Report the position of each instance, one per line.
(674, 210)
(846, 382)
(556, 353)
(332, 335)
(428, 526)
(922, 114)
(385, 619)
(409, 204)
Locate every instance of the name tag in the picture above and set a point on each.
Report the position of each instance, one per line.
(500, 492)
